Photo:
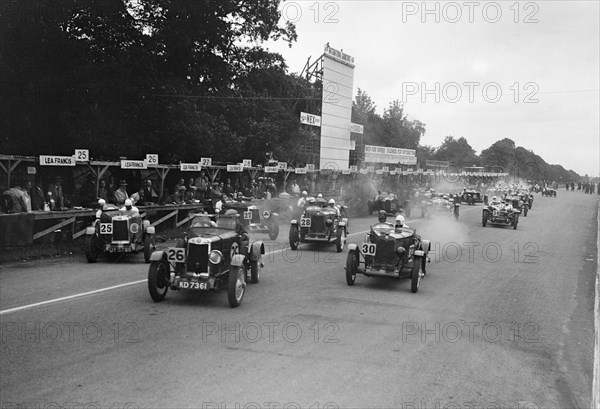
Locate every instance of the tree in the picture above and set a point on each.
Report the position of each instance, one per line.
(456, 151)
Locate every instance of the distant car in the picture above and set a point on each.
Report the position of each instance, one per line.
(390, 204)
(548, 191)
(521, 201)
(319, 224)
(211, 257)
(471, 196)
(445, 205)
(118, 233)
(389, 252)
(255, 222)
(500, 213)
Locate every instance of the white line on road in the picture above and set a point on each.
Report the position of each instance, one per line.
(70, 297)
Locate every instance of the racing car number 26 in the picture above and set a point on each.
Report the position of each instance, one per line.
(368, 249)
(176, 254)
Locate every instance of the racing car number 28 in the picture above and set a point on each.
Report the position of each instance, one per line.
(368, 249)
(305, 222)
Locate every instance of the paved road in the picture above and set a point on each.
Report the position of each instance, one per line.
(503, 318)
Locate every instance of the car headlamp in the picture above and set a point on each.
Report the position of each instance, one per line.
(266, 214)
(134, 228)
(329, 222)
(215, 257)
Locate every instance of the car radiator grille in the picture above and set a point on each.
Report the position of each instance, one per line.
(197, 258)
(385, 251)
(120, 230)
(255, 216)
(317, 224)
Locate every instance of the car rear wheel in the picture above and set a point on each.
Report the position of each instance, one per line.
(157, 280)
(351, 266)
(236, 286)
(415, 278)
(255, 270)
(149, 247)
(294, 237)
(274, 230)
(91, 249)
(340, 241)
(525, 210)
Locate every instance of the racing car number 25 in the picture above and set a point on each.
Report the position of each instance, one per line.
(368, 249)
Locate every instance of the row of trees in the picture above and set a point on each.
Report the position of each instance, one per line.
(180, 77)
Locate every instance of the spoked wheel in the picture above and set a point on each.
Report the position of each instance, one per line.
(91, 249)
(484, 220)
(294, 237)
(158, 280)
(351, 266)
(255, 270)
(340, 241)
(236, 287)
(415, 278)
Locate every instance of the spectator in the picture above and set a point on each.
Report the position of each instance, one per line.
(219, 204)
(36, 193)
(179, 183)
(215, 194)
(147, 194)
(110, 190)
(103, 191)
(202, 184)
(55, 193)
(178, 197)
(227, 188)
(295, 189)
(121, 194)
(191, 192)
(17, 199)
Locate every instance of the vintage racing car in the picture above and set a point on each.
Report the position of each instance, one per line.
(435, 204)
(500, 213)
(471, 196)
(548, 191)
(211, 256)
(319, 224)
(253, 220)
(388, 251)
(115, 232)
(390, 204)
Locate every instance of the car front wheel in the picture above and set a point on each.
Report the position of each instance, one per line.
(149, 247)
(294, 237)
(255, 270)
(415, 278)
(340, 241)
(351, 266)
(236, 286)
(91, 249)
(157, 280)
(484, 220)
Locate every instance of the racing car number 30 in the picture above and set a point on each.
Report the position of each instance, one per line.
(176, 254)
(368, 249)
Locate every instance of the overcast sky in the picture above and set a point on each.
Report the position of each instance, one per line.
(528, 71)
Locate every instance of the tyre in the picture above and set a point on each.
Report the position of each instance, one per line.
(525, 210)
(149, 247)
(236, 286)
(294, 237)
(351, 266)
(340, 240)
(91, 249)
(274, 230)
(415, 277)
(157, 280)
(255, 270)
(515, 222)
(484, 219)
(456, 210)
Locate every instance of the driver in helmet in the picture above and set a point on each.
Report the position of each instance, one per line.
(332, 205)
(382, 217)
(400, 223)
(129, 208)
